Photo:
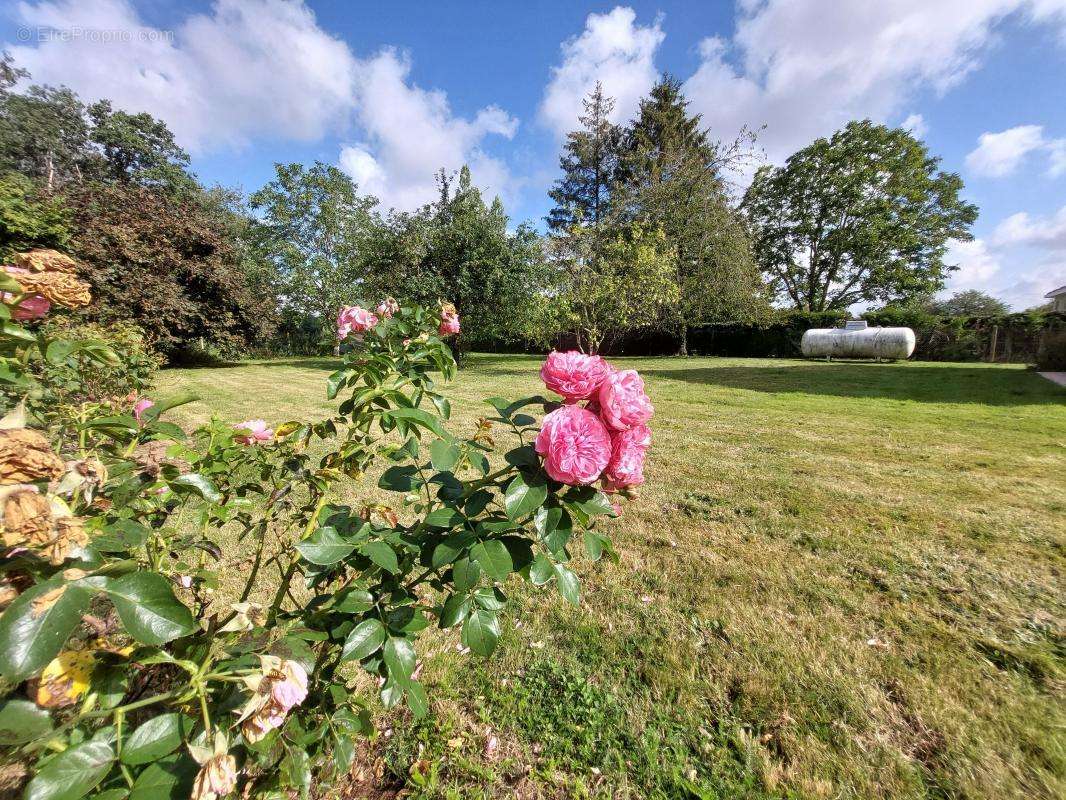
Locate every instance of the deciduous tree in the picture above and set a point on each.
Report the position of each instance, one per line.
(862, 216)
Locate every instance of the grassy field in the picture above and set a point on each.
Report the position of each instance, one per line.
(841, 580)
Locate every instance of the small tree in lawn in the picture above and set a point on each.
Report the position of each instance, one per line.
(611, 285)
(862, 216)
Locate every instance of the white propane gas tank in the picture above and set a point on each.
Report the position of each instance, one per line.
(857, 340)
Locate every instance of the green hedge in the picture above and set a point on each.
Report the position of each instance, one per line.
(1015, 337)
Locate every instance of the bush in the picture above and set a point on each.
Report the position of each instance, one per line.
(143, 682)
(1051, 357)
(81, 377)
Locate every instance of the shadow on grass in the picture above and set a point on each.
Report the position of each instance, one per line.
(920, 382)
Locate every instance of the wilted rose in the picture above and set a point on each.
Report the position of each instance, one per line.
(44, 260)
(216, 778)
(27, 518)
(70, 536)
(387, 307)
(26, 456)
(575, 444)
(61, 288)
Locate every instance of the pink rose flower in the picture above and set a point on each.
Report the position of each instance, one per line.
(288, 687)
(141, 406)
(575, 444)
(252, 431)
(574, 375)
(388, 307)
(30, 308)
(626, 467)
(449, 320)
(354, 318)
(623, 403)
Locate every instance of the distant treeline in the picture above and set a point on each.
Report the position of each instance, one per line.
(1017, 338)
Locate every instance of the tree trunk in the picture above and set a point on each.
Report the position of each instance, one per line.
(682, 348)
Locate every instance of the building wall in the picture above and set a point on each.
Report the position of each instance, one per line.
(1060, 303)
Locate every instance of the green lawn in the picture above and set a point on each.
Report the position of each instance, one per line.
(841, 580)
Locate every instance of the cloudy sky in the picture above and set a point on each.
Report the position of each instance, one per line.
(393, 91)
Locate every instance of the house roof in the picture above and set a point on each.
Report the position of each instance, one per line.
(1056, 292)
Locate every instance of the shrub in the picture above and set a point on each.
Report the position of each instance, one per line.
(81, 377)
(140, 681)
(1051, 356)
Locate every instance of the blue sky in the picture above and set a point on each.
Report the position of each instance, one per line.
(393, 91)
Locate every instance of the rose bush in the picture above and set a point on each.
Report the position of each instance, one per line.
(158, 683)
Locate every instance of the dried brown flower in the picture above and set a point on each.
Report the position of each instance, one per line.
(70, 535)
(43, 260)
(26, 456)
(61, 288)
(27, 518)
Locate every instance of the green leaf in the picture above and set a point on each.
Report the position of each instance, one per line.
(59, 349)
(73, 773)
(168, 779)
(443, 455)
(35, 626)
(594, 545)
(123, 535)
(419, 417)
(592, 501)
(336, 381)
(569, 586)
(21, 721)
(398, 478)
(524, 496)
(455, 609)
(416, 699)
(325, 546)
(156, 738)
(541, 570)
(465, 574)
(148, 608)
(199, 484)
(490, 598)
(364, 639)
(381, 554)
(445, 517)
(354, 602)
(444, 408)
(493, 558)
(399, 658)
(343, 753)
(481, 632)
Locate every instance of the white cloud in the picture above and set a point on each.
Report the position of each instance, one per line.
(1046, 233)
(264, 69)
(915, 123)
(412, 133)
(803, 68)
(1000, 154)
(1024, 258)
(613, 50)
(245, 69)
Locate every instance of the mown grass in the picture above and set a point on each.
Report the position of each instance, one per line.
(841, 580)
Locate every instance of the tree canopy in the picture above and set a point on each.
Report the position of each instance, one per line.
(865, 215)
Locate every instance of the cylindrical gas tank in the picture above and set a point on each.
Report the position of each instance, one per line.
(856, 340)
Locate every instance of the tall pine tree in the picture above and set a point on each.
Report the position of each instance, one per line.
(590, 163)
(670, 180)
